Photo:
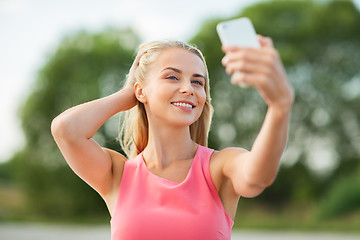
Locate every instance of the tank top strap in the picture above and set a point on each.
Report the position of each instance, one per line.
(204, 156)
(204, 159)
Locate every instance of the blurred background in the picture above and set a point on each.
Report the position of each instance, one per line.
(57, 54)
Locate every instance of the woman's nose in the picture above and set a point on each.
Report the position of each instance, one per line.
(186, 88)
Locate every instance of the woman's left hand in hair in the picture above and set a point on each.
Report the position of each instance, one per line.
(260, 68)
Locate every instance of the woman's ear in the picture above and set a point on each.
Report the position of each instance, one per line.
(139, 92)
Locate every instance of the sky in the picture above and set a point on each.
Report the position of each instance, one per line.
(32, 29)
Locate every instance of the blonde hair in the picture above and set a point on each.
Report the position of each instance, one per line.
(133, 135)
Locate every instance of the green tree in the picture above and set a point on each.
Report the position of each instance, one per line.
(317, 42)
(85, 66)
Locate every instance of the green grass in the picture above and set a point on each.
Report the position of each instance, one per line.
(297, 218)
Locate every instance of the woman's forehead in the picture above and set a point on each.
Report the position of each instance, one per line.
(179, 58)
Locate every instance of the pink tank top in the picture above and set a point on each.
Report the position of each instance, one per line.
(151, 207)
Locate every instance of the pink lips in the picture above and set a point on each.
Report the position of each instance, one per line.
(184, 105)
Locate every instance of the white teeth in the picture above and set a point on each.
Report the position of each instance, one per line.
(183, 105)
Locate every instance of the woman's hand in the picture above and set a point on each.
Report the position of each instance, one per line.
(130, 81)
(261, 68)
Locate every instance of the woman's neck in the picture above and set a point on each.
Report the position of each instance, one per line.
(166, 145)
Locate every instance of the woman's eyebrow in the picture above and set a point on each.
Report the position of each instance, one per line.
(173, 69)
(180, 72)
(199, 75)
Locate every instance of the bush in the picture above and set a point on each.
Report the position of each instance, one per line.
(342, 198)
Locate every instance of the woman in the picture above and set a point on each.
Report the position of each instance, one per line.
(174, 187)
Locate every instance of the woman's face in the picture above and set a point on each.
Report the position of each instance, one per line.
(175, 88)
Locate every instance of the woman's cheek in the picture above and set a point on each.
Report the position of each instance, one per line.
(202, 97)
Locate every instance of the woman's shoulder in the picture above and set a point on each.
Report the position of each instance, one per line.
(225, 158)
(227, 153)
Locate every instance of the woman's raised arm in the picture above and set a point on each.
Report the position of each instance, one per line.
(73, 131)
(251, 171)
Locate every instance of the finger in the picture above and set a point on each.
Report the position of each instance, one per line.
(259, 81)
(237, 78)
(138, 57)
(251, 60)
(243, 78)
(265, 41)
(246, 54)
(229, 48)
(130, 77)
(140, 53)
(248, 67)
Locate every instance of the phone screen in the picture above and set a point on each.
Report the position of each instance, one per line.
(239, 32)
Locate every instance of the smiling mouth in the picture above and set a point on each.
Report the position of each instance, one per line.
(182, 104)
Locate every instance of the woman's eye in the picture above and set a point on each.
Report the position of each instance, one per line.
(198, 82)
(172, 78)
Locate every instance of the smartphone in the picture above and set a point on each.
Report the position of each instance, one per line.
(238, 32)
